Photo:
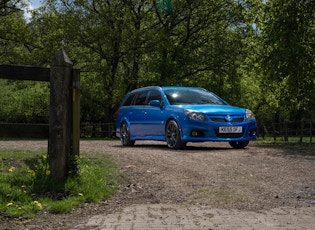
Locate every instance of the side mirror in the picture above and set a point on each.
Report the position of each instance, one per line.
(155, 103)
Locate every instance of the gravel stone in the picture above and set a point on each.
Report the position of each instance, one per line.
(206, 186)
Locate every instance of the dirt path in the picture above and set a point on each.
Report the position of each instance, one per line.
(207, 186)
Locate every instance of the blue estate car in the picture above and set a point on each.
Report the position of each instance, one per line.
(179, 115)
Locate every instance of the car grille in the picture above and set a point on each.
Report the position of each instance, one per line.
(224, 119)
(228, 135)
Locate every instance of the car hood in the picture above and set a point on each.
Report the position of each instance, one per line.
(215, 109)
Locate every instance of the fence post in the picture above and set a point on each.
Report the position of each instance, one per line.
(59, 146)
(274, 131)
(76, 112)
(302, 131)
(285, 127)
(311, 127)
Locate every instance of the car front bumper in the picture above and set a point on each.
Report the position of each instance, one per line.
(199, 132)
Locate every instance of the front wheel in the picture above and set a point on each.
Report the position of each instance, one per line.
(173, 136)
(239, 144)
(125, 135)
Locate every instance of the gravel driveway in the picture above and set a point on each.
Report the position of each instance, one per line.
(206, 186)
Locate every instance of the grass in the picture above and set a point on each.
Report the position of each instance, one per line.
(280, 140)
(292, 147)
(293, 142)
(27, 187)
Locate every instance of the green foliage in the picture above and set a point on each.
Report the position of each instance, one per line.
(12, 39)
(289, 36)
(254, 53)
(27, 187)
(24, 101)
(8, 7)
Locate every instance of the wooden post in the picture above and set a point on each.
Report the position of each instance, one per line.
(302, 131)
(76, 112)
(285, 124)
(311, 127)
(274, 131)
(59, 146)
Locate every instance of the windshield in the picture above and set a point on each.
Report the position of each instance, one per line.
(192, 96)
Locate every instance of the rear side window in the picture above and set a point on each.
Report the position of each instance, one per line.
(129, 100)
(141, 98)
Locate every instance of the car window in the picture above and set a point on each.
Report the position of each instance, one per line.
(176, 97)
(141, 98)
(155, 95)
(129, 100)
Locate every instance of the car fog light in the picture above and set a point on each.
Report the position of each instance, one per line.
(197, 133)
(252, 132)
(194, 133)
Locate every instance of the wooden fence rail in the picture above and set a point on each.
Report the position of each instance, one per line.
(41, 131)
(300, 129)
(17, 72)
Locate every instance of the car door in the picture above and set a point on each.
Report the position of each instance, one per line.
(154, 115)
(137, 114)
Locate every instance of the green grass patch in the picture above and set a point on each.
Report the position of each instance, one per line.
(27, 187)
(306, 140)
(292, 147)
(293, 142)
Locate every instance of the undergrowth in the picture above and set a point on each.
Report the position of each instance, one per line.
(27, 186)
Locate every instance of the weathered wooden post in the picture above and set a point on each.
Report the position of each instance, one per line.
(311, 127)
(60, 116)
(285, 127)
(76, 112)
(302, 131)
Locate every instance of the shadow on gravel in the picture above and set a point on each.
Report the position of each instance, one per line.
(289, 149)
(164, 147)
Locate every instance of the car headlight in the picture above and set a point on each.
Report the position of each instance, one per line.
(197, 116)
(249, 115)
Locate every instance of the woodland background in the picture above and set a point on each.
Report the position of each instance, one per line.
(259, 54)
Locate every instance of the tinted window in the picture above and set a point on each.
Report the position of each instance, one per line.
(141, 98)
(129, 100)
(176, 97)
(155, 95)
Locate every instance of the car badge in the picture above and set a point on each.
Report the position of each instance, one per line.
(228, 118)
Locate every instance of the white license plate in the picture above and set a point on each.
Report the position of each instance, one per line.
(232, 129)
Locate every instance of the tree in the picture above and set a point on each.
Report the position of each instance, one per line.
(122, 45)
(289, 41)
(107, 46)
(250, 70)
(8, 7)
(12, 37)
(199, 44)
(22, 101)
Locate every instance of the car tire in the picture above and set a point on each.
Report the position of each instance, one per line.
(239, 144)
(125, 135)
(173, 136)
